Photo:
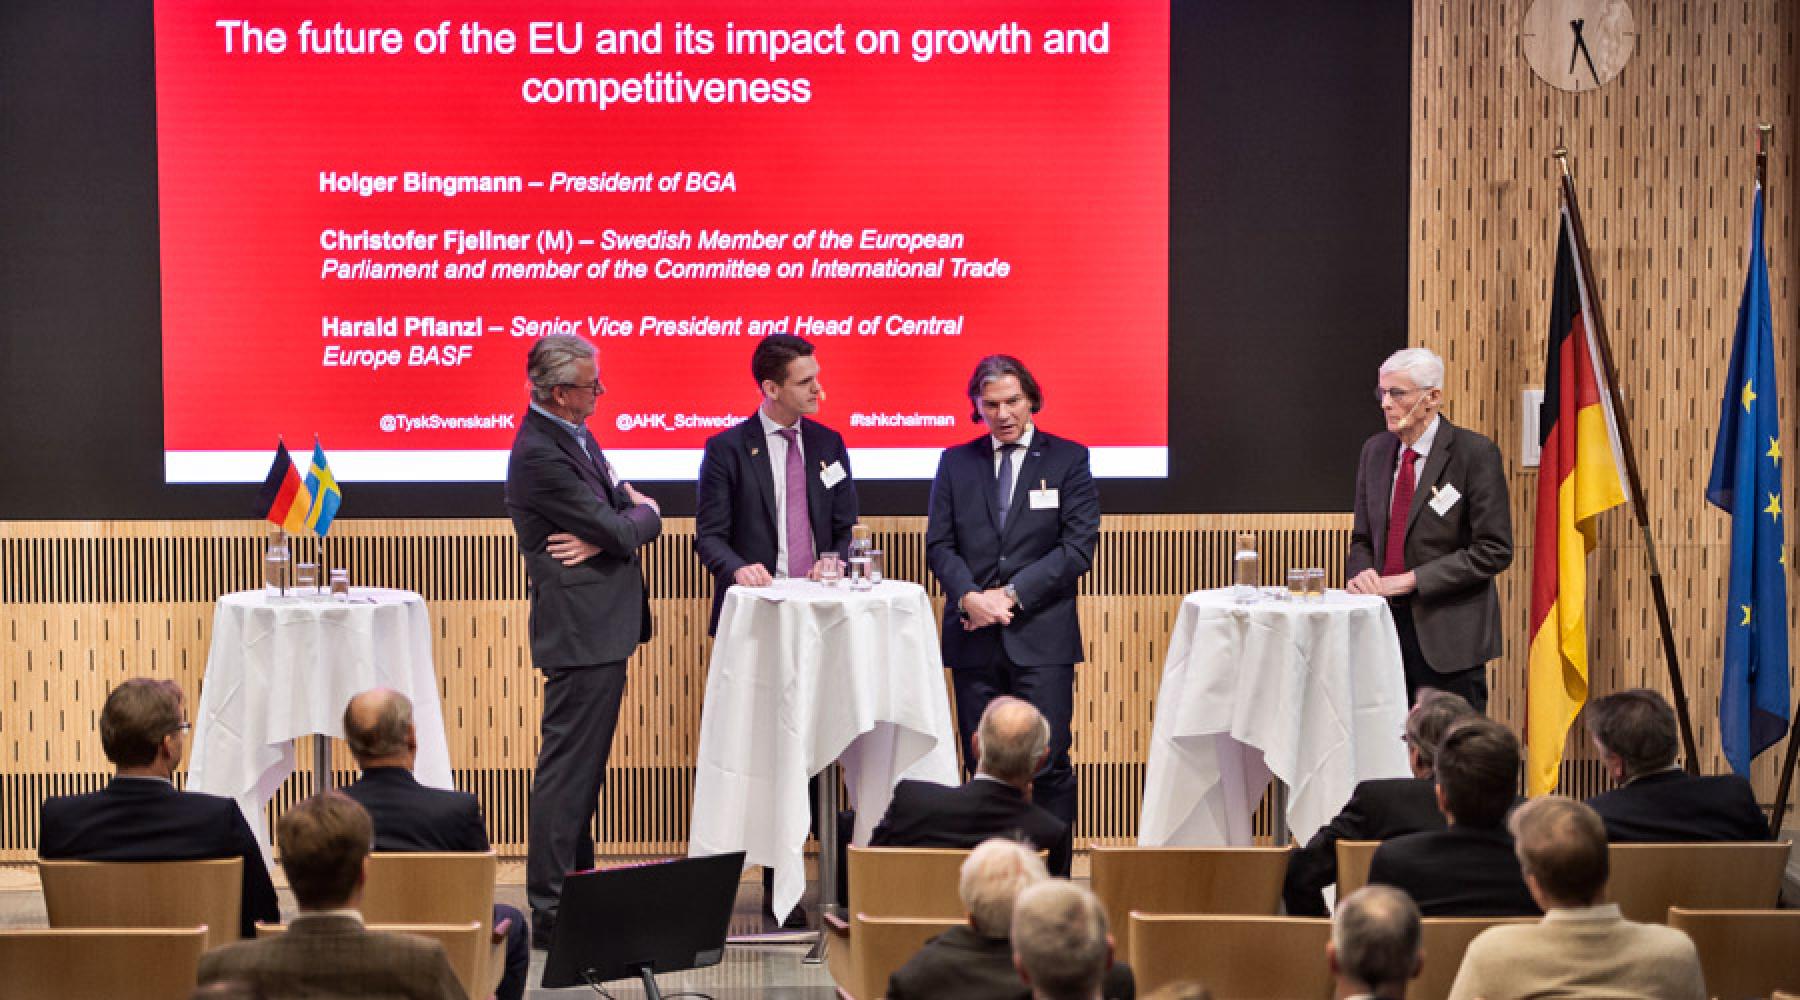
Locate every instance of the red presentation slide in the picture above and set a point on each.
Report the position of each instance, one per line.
(370, 211)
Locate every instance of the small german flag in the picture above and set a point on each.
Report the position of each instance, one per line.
(1578, 477)
(284, 494)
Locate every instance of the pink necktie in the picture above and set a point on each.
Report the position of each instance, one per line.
(1404, 484)
(800, 555)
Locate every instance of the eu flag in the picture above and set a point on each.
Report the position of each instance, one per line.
(324, 489)
(1746, 482)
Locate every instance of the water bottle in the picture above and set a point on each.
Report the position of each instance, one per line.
(860, 543)
(1246, 571)
(276, 562)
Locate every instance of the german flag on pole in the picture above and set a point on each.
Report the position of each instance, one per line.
(1578, 477)
(284, 494)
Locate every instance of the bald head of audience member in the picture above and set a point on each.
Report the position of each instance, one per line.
(1374, 947)
(1060, 944)
(324, 842)
(1561, 844)
(1431, 716)
(1477, 769)
(1012, 742)
(378, 725)
(993, 876)
(142, 727)
(1635, 732)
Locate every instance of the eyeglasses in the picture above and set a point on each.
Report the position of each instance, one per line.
(181, 728)
(1396, 394)
(594, 387)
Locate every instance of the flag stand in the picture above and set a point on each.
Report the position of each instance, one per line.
(1658, 593)
(1778, 812)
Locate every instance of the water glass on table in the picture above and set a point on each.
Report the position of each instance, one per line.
(830, 571)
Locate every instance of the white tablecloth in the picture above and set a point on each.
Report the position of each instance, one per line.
(801, 675)
(1311, 691)
(283, 669)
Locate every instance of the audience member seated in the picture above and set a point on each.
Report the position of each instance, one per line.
(1467, 869)
(1379, 809)
(975, 962)
(1060, 942)
(326, 951)
(410, 817)
(140, 815)
(1582, 947)
(1635, 733)
(1374, 947)
(1011, 743)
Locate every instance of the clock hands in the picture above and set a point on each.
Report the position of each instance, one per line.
(1580, 48)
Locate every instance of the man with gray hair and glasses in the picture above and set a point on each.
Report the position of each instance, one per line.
(1374, 947)
(1432, 529)
(580, 529)
(1011, 742)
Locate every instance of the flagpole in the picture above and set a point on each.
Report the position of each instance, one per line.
(1671, 655)
(1764, 133)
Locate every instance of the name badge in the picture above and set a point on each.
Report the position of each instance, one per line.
(832, 474)
(1045, 499)
(1443, 498)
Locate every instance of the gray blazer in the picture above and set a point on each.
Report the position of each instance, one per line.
(1455, 555)
(596, 611)
(333, 956)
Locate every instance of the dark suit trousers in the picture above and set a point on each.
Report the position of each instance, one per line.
(1471, 683)
(581, 709)
(1052, 690)
(517, 965)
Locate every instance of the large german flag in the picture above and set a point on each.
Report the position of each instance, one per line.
(1578, 477)
(284, 494)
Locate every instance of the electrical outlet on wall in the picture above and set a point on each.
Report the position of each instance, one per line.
(1531, 403)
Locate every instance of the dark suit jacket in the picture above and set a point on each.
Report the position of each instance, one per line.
(1456, 555)
(331, 956)
(1042, 553)
(146, 819)
(1456, 872)
(1377, 810)
(960, 964)
(411, 817)
(926, 814)
(597, 611)
(1675, 807)
(734, 516)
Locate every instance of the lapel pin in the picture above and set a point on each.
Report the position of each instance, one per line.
(756, 451)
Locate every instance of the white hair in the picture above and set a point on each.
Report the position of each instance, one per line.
(1421, 364)
(552, 363)
(1059, 936)
(991, 879)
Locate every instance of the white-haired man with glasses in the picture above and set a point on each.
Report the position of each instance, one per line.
(1432, 530)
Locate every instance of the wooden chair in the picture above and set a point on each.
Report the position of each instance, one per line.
(1744, 953)
(880, 945)
(101, 963)
(142, 894)
(1444, 939)
(1239, 880)
(1353, 857)
(464, 943)
(1239, 958)
(1647, 879)
(906, 882)
(439, 888)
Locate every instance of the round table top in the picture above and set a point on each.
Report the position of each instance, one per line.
(360, 597)
(1276, 601)
(813, 592)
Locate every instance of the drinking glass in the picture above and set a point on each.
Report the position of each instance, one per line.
(306, 578)
(1315, 583)
(1296, 583)
(340, 584)
(829, 570)
(877, 566)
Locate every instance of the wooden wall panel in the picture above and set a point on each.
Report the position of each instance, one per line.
(1663, 163)
(87, 605)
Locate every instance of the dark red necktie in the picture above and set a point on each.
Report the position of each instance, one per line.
(1393, 562)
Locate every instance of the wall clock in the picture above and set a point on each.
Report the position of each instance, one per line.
(1578, 45)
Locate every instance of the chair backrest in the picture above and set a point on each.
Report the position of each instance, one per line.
(1647, 879)
(906, 882)
(1444, 939)
(1240, 958)
(1744, 953)
(879, 945)
(83, 963)
(1239, 880)
(436, 888)
(465, 943)
(146, 894)
(1353, 857)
